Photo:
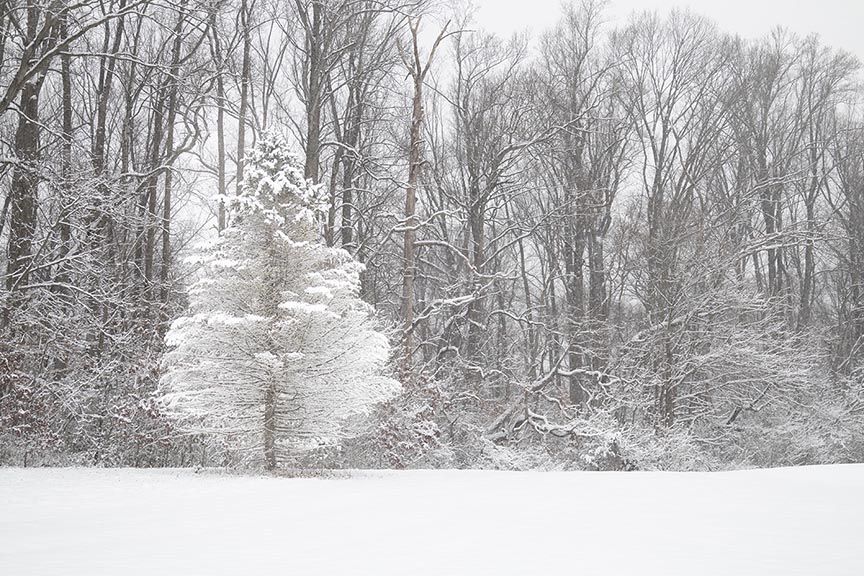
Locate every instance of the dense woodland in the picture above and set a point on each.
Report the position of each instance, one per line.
(633, 245)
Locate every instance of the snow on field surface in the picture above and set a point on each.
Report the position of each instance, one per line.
(92, 522)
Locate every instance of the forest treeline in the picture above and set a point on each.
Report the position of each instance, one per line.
(607, 246)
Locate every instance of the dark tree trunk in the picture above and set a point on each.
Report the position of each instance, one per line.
(598, 300)
(150, 216)
(24, 189)
(66, 184)
(165, 267)
(245, 72)
(314, 88)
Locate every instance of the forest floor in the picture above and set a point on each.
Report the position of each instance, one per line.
(119, 522)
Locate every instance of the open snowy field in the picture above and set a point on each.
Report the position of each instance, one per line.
(92, 522)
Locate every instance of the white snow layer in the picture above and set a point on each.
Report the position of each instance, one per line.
(92, 522)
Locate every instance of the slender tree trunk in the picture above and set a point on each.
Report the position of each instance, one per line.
(349, 184)
(270, 461)
(330, 225)
(408, 249)
(270, 306)
(107, 65)
(531, 332)
(4, 211)
(220, 120)
(418, 71)
(808, 281)
(165, 267)
(477, 229)
(64, 225)
(314, 102)
(575, 293)
(245, 80)
(150, 218)
(598, 300)
(349, 163)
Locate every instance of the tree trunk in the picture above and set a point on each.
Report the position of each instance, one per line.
(574, 249)
(408, 249)
(418, 71)
(244, 90)
(169, 175)
(270, 307)
(598, 301)
(314, 104)
(220, 120)
(66, 200)
(24, 190)
(349, 180)
(150, 216)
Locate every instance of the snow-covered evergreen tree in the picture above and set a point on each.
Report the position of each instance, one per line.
(277, 349)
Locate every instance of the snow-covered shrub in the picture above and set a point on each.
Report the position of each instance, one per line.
(63, 402)
(405, 433)
(822, 428)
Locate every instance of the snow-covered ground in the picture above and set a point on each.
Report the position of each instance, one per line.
(92, 522)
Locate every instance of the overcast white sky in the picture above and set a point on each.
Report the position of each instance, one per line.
(839, 22)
